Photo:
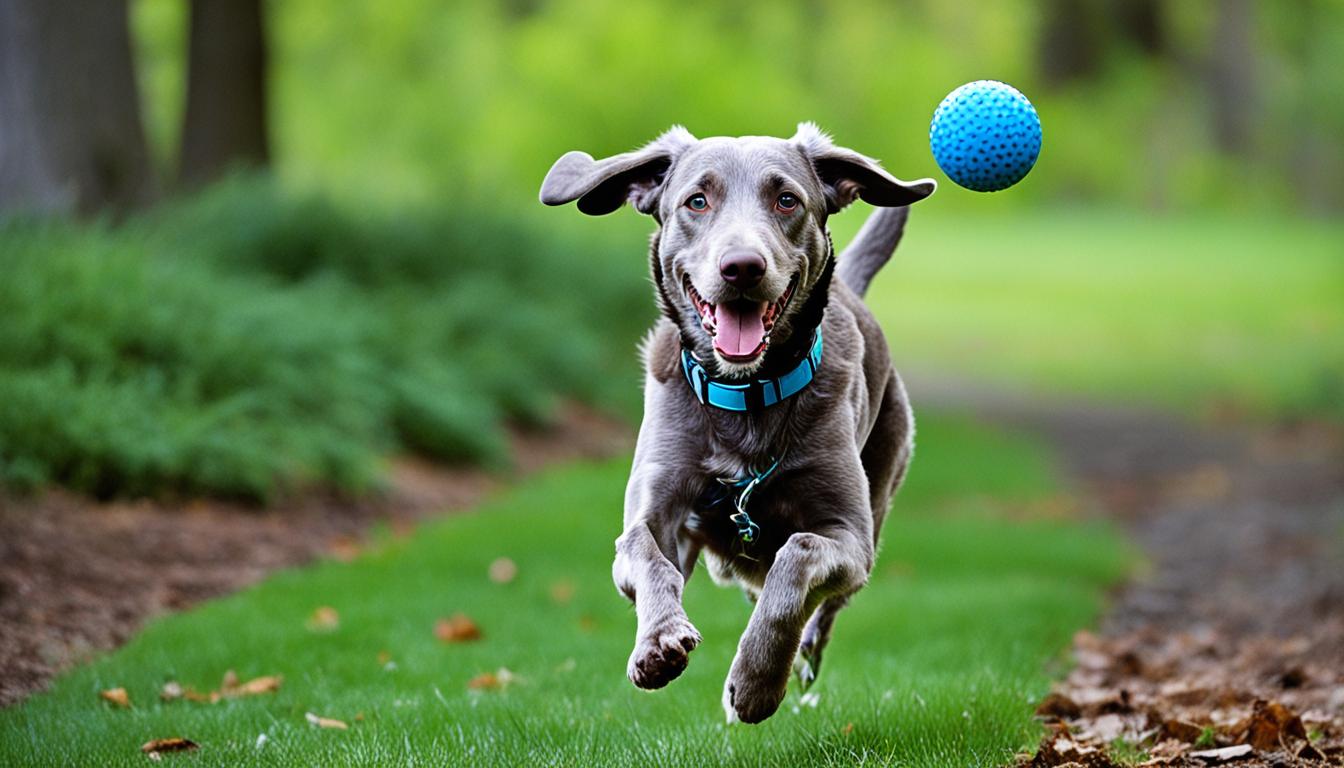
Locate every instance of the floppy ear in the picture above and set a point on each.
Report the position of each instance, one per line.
(847, 175)
(602, 186)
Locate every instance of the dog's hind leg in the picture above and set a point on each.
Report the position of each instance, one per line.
(816, 635)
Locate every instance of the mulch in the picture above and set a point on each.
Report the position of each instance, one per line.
(78, 577)
(1229, 648)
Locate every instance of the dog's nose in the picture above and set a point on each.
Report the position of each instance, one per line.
(742, 268)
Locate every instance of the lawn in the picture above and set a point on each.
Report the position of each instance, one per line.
(1200, 314)
(979, 586)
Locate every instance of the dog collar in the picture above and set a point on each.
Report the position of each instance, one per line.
(753, 395)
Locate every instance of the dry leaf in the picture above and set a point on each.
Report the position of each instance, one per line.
(848, 729)
(344, 548)
(325, 722)
(1270, 723)
(230, 680)
(562, 591)
(503, 570)
(458, 629)
(172, 744)
(1223, 755)
(1181, 730)
(256, 686)
(483, 681)
(172, 691)
(1059, 706)
(491, 680)
(117, 697)
(324, 619)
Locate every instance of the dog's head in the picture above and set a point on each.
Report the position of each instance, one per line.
(742, 245)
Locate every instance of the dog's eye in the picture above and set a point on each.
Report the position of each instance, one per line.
(786, 202)
(697, 202)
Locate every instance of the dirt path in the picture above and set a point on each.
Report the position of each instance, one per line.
(78, 577)
(1230, 647)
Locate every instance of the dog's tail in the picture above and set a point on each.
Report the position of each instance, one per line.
(871, 248)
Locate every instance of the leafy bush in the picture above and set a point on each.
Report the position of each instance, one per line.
(249, 341)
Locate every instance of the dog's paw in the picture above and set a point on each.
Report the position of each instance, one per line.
(660, 656)
(751, 695)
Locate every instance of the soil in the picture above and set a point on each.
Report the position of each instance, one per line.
(78, 577)
(1229, 647)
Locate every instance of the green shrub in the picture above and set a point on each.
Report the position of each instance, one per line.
(248, 342)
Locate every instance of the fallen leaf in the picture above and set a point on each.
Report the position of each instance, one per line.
(1223, 755)
(484, 681)
(458, 629)
(562, 591)
(255, 687)
(172, 744)
(344, 548)
(117, 697)
(1181, 730)
(1270, 723)
(848, 729)
(491, 680)
(1058, 706)
(325, 722)
(191, 694)
(172, 691)
(503, 570)
(1308, 752)
(324, 619)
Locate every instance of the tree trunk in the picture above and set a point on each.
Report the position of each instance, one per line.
(1232, 83)
(225, 122)
(70, 133)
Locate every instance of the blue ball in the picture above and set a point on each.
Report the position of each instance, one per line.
(985, 136)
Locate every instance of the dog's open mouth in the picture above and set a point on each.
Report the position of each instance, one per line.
(740, 327)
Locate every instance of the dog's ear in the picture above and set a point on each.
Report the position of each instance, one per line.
(602, 186)
(847, 175)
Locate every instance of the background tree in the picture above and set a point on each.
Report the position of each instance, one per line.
(225, 120)
(71, 139)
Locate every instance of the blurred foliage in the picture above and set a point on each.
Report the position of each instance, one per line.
(423, 99)
(252, 341)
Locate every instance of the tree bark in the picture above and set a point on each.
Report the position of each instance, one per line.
(1232, 84)
(225, 122)
(71, 140)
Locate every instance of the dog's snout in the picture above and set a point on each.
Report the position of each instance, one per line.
(742, 268)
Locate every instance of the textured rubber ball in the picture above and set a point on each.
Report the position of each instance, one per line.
(985, 136)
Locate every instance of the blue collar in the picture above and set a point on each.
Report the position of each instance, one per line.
(753, 395)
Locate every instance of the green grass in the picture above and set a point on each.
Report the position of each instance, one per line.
(937, 662)
(1199, 314)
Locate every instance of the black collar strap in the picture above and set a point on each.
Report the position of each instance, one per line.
(753, 395)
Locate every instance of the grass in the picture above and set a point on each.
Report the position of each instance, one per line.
(1203, 315)
(937, 662)
(253, 341)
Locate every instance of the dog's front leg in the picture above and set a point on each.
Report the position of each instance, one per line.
(645, 571)
(809, 568)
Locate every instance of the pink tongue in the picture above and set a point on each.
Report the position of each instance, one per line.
(740, 327)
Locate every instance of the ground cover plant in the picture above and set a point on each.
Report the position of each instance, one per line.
(938, 662)
(252, 341)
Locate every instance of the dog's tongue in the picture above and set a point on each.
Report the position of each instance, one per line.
(740, 327)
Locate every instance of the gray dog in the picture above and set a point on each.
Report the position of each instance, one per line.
(775, 428)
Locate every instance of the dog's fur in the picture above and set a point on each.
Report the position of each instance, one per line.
(844, 441)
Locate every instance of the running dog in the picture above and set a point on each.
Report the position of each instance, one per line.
(775, 428)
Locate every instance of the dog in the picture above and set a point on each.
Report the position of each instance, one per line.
(776, 429)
